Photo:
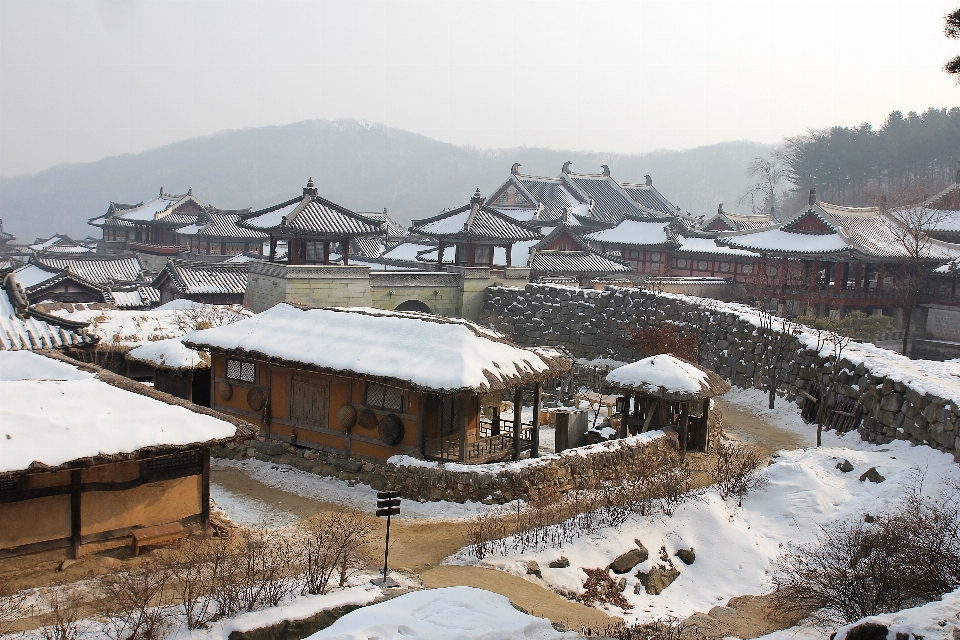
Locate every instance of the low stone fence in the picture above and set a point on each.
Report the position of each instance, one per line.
(899, 398)
(586, 467)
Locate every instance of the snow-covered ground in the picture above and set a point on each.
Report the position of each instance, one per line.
(785, 415)
(452, 613)
(736, 547)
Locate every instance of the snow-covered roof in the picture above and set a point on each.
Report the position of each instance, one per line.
(137, 298)
(30, 275)
(666, 376)
(170, 354)
(194, 278)
(96, 269)
(475, 221)
(709, 245)
(27, 329)
(634, 233)
(425, 351)
(52, 415)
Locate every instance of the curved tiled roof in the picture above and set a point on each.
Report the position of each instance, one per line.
(553, 261)
(220, 224)
(96, 269)
(311, 216)
(193, 278)
(475, 221)
(634, 233)
(22, 328)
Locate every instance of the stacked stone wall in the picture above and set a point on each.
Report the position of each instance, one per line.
(593, 324)
(591, 467)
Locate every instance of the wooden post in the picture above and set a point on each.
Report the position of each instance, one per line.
(837, 276)
(706, 423)
(75, 522)
(652, 408)
(535, 432)
(495, 422)
(684, 428)
(463, 436)
(509, 255)
(326, 252)
(345, 245)
(517, 409)
(440, 256)
(273, 248)
(205, 488)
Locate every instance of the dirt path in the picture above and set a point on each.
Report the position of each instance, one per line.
(523, 593)
(756, 430)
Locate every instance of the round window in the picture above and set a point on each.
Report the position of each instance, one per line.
(702, 265)
(681, 263)
(634, 255)
(725, 267)
(747, 269)
(655, 256)
(772, 271)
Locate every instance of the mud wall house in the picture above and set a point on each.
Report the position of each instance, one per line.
(89, 456)
(177, 369)
(372, 384)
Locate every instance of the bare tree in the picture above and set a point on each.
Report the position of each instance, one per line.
(777, 336)
(736, 470)
(912, 225)
(827, 379)
(132, 602)
(770, 176)
(65, 621)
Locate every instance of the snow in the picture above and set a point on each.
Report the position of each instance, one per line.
(56, 421)
(31, 275)
(170, 354)
(321, 488)
(780, 240)
(660, 372)
(633, 232)
(736, 547)
(442, 355)
(709, 245)
(26, 365)
(452, 613)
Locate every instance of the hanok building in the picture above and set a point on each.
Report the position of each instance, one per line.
(42, 283)
(725, 222)
(310, 225)
(209, 283)
(371, 384)
(6, 238)
(832, 259)
(475, 231)
(148, 227)
(216, 233)
(23, 327)
(107, 463)
(564, 253)
(178, 370)
(59, 244)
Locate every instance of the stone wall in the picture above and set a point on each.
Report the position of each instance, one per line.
(588, 467)
(592, 324)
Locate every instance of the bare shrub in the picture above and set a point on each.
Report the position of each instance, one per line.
(662, 629)
(132, 604)
(12, 606)
(332, 545)
(666, 337)
(905, 557)
(736, 470)
(260, 569)
(601, 588)
(196, 566)
(206, 317)
(65, 621)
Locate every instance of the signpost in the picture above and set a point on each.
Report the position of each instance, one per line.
(388, 504)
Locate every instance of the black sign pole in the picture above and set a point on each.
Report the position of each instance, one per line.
(388, 504)
(386, 551)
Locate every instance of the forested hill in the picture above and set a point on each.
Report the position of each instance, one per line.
(851, 165)
(363, 167)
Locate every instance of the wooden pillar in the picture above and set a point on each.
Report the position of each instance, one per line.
(684, 428)
(858, 277)
(471, 255)
(535, 432)
(493, 250)
(495, 422)
(440, 256)
(509, 255)
(517, 410)
(205, 488)
(463, 439)
(223, 247)
(880, 277)
(706, 423)
(75, 523)
(837, 276)
(456, 255)
(345, 245)
(273, 249)
(326, 252)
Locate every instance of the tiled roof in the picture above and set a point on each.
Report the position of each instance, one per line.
(475, 221)
(634, 233)
(649, 198)
(612, 202)
(99, 270)
(550, 261)
(219, 224)
(139, 298)
(155, 210)
(206, 277)
(709, 245)
(23, 328)
(311, 216)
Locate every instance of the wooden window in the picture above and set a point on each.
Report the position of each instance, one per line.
(242, 371)
(681, 263)
(309, 401)
(382, 397)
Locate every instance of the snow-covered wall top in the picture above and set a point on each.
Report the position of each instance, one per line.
(426, 351)
(53, 413)
(170, 354)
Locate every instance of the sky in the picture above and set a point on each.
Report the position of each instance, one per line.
(83, 80)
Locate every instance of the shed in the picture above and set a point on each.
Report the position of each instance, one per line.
(371, 384)
(669, 392)
(178, 370)
(89, 456)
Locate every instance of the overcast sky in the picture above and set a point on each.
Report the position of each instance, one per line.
(84, 80)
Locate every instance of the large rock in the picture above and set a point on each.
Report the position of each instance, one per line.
(845, 466)
(269, 448)
(559, 563)
(687, 556)
(627, 561)
(533, 569)
(872, 475)
(350, 466)
(657, 579)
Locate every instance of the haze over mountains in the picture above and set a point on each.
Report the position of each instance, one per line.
(361, 166)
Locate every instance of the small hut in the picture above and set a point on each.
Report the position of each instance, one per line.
(178, 370)
(669, 393)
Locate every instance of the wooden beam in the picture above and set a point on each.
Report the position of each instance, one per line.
(205, 488)
(517, 410)
(463, 434)
(535, 432)
(684, 429)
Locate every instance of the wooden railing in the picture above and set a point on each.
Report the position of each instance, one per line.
(486, 447)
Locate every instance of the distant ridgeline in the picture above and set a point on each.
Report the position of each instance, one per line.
(851, 165)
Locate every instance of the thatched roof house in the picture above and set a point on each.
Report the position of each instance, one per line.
(178, 370)
(416, 381)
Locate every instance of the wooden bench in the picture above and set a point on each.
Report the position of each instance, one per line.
(160, 534)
